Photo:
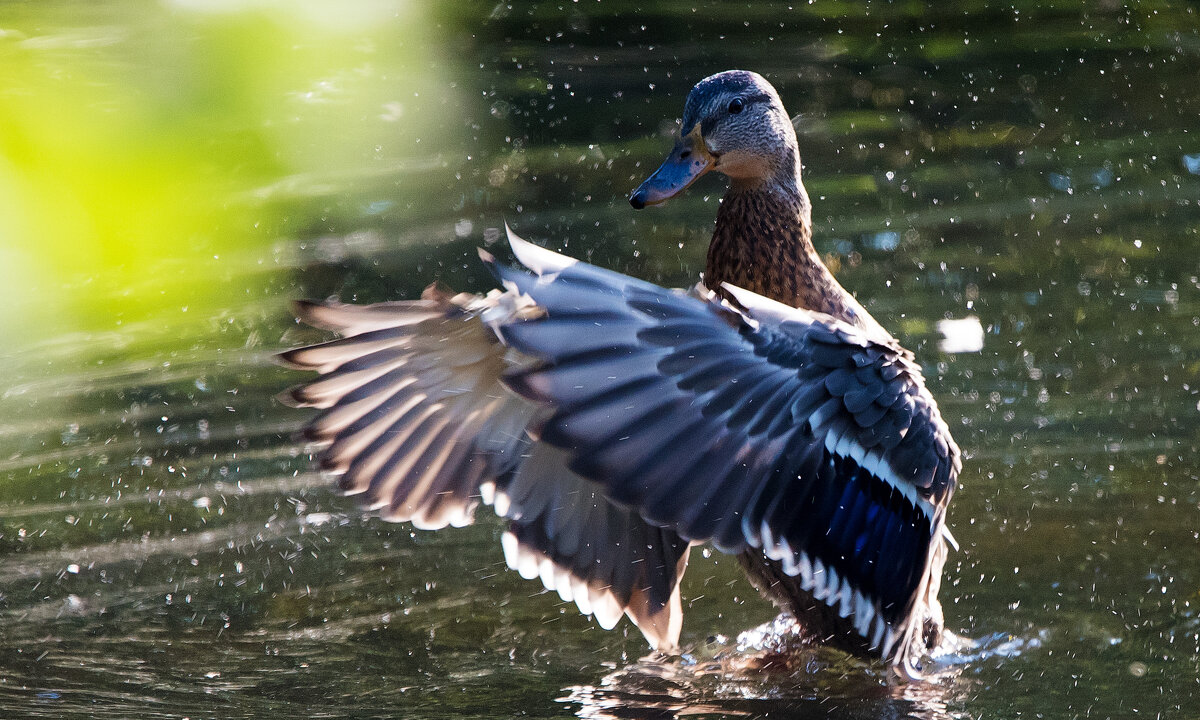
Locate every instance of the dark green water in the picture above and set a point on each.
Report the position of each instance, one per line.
(172, 174)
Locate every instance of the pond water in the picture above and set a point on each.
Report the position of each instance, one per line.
(172, 174)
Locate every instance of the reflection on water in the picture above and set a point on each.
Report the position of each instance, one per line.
(960, 335)
(770, 671)
(644, 694)
(171, 175)
(801, 684)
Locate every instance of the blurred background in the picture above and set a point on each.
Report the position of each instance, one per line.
(172, 173)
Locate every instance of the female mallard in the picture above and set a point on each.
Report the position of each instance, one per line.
(615, 423)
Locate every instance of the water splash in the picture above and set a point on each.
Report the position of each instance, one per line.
(769, 670)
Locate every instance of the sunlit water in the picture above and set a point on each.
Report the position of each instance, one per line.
(172, 177)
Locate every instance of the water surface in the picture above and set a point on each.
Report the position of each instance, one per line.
(172, 174)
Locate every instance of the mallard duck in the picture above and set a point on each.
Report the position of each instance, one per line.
(615, 424)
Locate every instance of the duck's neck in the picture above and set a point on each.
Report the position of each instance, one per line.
(763, 243)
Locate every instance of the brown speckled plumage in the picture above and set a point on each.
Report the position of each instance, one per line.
(763, 242)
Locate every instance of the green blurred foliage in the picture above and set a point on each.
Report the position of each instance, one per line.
(143, 164)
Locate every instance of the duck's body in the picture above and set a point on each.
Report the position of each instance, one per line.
(614, 423)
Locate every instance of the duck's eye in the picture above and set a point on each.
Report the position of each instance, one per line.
(735, 106)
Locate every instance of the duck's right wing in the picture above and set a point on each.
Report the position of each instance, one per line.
(412, 418)
(416, 422)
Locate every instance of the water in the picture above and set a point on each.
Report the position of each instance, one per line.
(173, 174)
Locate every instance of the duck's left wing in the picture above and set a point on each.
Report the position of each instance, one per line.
(776, 428)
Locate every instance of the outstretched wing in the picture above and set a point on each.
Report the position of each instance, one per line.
(415, 420)
(412, 415)
(780, 429)
(642, 420)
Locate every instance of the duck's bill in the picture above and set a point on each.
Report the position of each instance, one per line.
(689, 160)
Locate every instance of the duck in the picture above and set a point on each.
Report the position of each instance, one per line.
(614, 424)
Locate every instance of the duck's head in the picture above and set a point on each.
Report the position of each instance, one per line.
(734, 123)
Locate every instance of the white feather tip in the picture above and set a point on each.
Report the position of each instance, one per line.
(538, 259)
(759, 306)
